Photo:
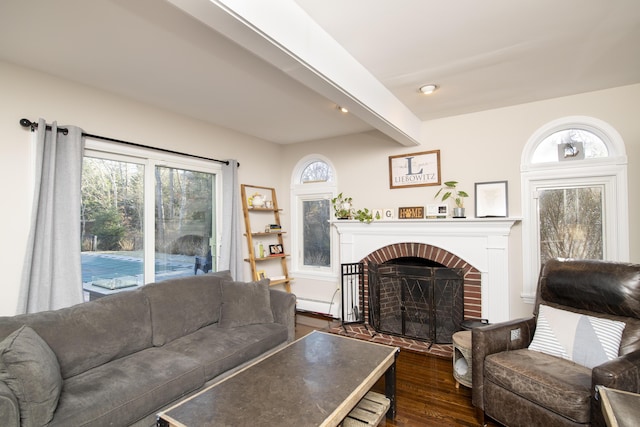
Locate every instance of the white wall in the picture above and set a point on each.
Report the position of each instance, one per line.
(474, 148)
(479, 147)
(32, 95)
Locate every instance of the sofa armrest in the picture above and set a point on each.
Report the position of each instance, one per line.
(487, 340)
(9, 409)
(283, 307)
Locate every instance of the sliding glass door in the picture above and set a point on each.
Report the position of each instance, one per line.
(145, 220)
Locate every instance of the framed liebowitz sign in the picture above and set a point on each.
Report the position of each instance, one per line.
(414, 169)
(414, 212)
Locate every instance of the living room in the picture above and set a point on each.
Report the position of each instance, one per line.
(130, 99)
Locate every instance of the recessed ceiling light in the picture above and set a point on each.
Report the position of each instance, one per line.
(428, 89)
(342, 109)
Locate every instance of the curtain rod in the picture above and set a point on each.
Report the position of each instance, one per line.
(26, 123)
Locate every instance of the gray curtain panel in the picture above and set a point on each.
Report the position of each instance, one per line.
(231, 239)
(52, 275)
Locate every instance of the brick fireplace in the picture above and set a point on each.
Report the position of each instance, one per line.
(472, 279)
(477, 245)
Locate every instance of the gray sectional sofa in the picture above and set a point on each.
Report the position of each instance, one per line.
(118, 360)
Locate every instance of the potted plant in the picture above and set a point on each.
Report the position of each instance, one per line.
(458, 197)
(342, 206)
(364, 215)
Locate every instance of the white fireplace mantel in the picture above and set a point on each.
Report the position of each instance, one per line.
(481, 242)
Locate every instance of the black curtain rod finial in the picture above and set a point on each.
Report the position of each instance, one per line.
(26, 123)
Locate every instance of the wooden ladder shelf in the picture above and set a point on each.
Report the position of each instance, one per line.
(266, 230)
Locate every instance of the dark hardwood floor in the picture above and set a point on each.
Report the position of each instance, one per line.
(426, 392)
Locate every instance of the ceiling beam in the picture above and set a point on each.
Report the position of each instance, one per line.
(282, 34)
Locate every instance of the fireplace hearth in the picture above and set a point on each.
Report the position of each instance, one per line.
(421, 301)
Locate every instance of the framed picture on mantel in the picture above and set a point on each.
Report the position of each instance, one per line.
(414, 169)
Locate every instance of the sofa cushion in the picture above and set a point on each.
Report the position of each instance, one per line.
(181, 306)
(219, 350)
(587, 340)
(124, 391)
(561, 386)
(30, 369)
(121, 321)
(245, 303)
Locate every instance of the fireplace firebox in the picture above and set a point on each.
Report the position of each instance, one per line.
(416, 301)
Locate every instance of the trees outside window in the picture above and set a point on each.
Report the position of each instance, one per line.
(316, 233)
(571, 223)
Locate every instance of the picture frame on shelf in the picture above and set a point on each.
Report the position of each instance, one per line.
(275, 249)
(414, 169)
(491, 199)
(261, 274)
(437, 211)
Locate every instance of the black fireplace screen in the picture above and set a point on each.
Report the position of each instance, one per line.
(424, 303)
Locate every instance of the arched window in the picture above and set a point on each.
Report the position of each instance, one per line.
(574, 194)
(313, 186)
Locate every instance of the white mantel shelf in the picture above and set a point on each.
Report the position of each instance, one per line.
(447, 226)
(482, 242)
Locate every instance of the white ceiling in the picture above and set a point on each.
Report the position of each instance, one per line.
(275, 69)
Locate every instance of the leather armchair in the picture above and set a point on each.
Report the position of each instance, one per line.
(521, 387)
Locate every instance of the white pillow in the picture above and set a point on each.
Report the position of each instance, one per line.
(586, 340)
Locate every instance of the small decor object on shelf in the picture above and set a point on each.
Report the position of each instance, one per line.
(363, 215)
(414, 212)
(387, 213)
(275, 249)
(457, 195)
(342, 206)
(272, 228)
(437, 211)
(257, 200)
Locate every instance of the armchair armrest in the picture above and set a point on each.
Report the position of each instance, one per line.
(9, 409)
(487, 340)
(283, 307)
(621, 373)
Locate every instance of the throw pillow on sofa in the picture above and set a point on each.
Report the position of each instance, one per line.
(245, 304)
(30, 369)
(587, 340)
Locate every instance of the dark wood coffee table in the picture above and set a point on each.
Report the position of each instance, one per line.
(314, 381)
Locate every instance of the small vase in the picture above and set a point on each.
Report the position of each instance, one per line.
(258, 201)
(458, 213)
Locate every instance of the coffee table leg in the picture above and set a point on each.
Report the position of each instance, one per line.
(390, 387)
